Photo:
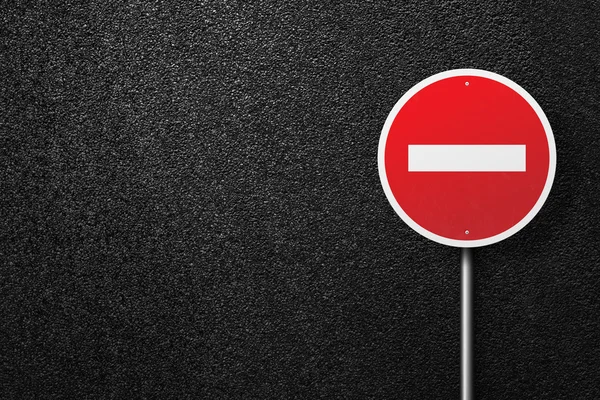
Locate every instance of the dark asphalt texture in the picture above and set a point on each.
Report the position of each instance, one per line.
(191, 206)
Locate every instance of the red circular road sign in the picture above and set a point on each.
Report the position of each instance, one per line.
(467, 158)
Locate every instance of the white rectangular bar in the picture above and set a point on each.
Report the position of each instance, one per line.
(466, 158)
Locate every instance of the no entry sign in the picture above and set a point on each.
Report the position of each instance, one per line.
(467, 158)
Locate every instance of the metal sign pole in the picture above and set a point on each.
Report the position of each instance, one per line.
(466, 328)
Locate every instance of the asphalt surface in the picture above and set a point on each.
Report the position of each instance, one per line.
(191, 206)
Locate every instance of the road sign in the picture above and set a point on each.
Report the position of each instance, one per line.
(467, 158)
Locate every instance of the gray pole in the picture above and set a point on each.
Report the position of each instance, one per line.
(466, 328)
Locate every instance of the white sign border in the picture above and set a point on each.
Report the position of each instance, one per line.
(551, 147)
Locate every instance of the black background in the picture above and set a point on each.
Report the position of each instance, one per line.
(191, 205)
